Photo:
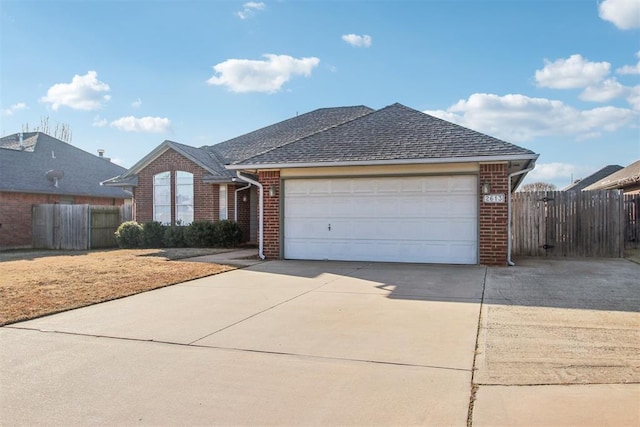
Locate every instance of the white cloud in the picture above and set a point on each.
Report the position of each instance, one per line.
(573, 72)
(545, 172)
(142, 124)
(137, 103)
(624, 14)
(83, 93)
(604, 91)
(357, 41)
(249, 9)
(630, 69)
(633, 97)
(518, 118)
(99, 122)
(15, 107)
(246, 75)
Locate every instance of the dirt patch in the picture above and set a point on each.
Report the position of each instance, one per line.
(632, 255)
(35, 283)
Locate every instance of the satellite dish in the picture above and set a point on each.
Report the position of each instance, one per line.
(54, 176)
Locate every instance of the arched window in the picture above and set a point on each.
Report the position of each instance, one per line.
(184, 197)
(162, 197)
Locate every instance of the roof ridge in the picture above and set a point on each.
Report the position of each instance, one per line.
(311, 134)
(297, 116)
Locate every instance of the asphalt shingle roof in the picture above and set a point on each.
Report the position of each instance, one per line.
(627, 176)
(340, 134)
(594, 177)
(25, 170)
(395, 132)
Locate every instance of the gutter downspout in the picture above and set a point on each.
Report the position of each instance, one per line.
(529, 169)
(235, 207)
(260, 212)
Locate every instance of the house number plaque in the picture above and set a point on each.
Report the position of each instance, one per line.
(493, 198)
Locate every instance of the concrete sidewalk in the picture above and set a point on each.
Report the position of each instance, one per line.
(236, 258)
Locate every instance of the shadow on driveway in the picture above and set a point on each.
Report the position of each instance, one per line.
(587, 284)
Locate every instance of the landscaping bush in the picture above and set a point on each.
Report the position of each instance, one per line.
(153, 234)
(228, 234)
(174, 236)
(129, 235)
(200, 234)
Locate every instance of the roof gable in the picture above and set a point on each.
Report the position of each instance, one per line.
(393, 133)
(199, 156)
(25, 170)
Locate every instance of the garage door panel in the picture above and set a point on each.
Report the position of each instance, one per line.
(305, 249)
(302, 207)
(463, 231)
(407, 219)
(314, 227)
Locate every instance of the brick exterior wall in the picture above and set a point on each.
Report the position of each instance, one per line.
(15, 214)
(205, 195)
(271, 213)
(493, 217)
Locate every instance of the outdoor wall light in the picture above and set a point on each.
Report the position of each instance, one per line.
(486, 187)
(272, 191)
(244, 198)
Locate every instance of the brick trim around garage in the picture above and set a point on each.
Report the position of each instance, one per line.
(270, 179)
(493, 216)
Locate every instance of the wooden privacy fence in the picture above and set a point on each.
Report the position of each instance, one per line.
(632, 221)
(574, 224)
(76, 227)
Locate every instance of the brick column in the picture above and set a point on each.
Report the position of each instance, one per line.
(493, 216)
(271, 219)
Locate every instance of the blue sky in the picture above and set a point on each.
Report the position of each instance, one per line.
(561, 78)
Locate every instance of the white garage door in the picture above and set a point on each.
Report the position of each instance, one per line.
(405, 219)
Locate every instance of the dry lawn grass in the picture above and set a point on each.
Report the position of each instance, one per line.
(35, 283)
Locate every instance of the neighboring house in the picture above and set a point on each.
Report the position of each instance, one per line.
(347, 183)
(581, 184)
(36, 168)
(626, 179)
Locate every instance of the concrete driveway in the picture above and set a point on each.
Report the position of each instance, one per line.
(326, 343)
(288, 343)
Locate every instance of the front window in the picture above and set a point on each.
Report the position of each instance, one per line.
(184, 197)
(162, 197)
(223, 201)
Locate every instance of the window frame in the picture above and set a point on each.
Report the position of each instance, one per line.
(180, 187)
(223, 202)
(156, 185)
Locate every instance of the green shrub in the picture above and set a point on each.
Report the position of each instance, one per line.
(200, 234)
(129, 235)
(174, 236)
(153, 234)
(228, 234)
